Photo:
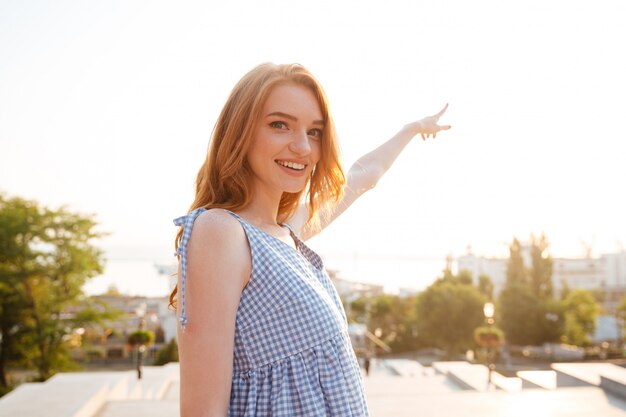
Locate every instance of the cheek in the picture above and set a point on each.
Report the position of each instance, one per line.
(316, 151)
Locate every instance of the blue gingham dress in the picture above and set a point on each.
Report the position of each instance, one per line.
(293, 355)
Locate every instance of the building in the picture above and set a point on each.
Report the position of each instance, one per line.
(351, 290)
(606, 272)
(494, 268)
(109, 341)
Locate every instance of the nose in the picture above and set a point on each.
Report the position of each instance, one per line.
(300, 143)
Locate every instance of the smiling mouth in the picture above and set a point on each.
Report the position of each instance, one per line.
(291, 165)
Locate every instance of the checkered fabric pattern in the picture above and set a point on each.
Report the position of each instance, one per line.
(186, 222)
(293, 355)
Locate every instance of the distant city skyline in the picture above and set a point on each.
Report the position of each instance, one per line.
(137, 273)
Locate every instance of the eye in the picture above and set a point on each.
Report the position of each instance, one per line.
(316, 133)
(278, 125)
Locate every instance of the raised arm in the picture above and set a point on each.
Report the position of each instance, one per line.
(365, 173)
(218, 268)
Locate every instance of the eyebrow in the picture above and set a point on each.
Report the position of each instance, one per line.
(294, 118)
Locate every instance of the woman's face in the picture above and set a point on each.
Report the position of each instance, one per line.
(287, 141)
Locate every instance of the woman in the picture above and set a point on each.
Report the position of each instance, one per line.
(263, 331)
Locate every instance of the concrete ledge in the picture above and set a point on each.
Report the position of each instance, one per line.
(507, 384)
(475, 377)
(405, 367)
(444, 366)
(461, 382)
(89, 392)
(538, 379)
(586, 374)
(612, 386)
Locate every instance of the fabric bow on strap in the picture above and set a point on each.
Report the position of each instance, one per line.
(187, 224)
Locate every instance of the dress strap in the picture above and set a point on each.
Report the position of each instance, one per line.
(186, 222)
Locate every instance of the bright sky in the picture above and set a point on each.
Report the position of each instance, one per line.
(108, 106)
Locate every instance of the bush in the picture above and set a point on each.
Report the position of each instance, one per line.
(5, 390)
(141, 337)
(488, 336)
(167, 354)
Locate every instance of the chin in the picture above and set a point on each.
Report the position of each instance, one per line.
(294, 189)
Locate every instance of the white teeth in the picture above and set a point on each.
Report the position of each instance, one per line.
(292, 165)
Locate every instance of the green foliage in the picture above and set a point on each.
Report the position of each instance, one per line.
(538, 276)
(526, 319)
(599, 294)
(581, 311)
(395, 317)
(168, 353)
(485, 286)
(516, 272)
(464, 277)
(45, 258)
(357, 310)
(565, 290)
(140, 337)
(554, 324)
(390, 315)
(528, 313)
(488, 336)
(540, 273)
(448, 312)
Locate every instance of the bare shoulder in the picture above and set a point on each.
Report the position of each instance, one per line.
(218, 241)
(217, 223)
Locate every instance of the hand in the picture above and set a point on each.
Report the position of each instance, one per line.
(428, 126)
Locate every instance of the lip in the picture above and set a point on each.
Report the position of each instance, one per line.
(297, 161)
(290, 171)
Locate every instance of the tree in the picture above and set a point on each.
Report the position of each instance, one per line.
(485, 286)
(581, 311)
(447, 314)
(396, 319)
(541, 268)
(516, 271)
(464, 277)
(526, 319)
(565, 290)
(46, 258)
(357, 310)
(19, 235)
(528, 313)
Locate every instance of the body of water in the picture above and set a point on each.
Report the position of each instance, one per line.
(142, 275)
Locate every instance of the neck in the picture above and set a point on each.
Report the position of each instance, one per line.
(263, 209)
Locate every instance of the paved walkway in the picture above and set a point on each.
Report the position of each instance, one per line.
(424, 397)
(394, 388)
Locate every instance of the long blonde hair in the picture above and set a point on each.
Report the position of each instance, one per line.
(224, 178)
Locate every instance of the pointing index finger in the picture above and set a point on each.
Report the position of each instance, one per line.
(442, 111)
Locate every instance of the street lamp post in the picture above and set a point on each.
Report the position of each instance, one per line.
(489, 312)
(141, 312)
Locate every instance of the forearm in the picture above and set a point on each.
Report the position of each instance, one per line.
(365, 173)
(361, 177)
